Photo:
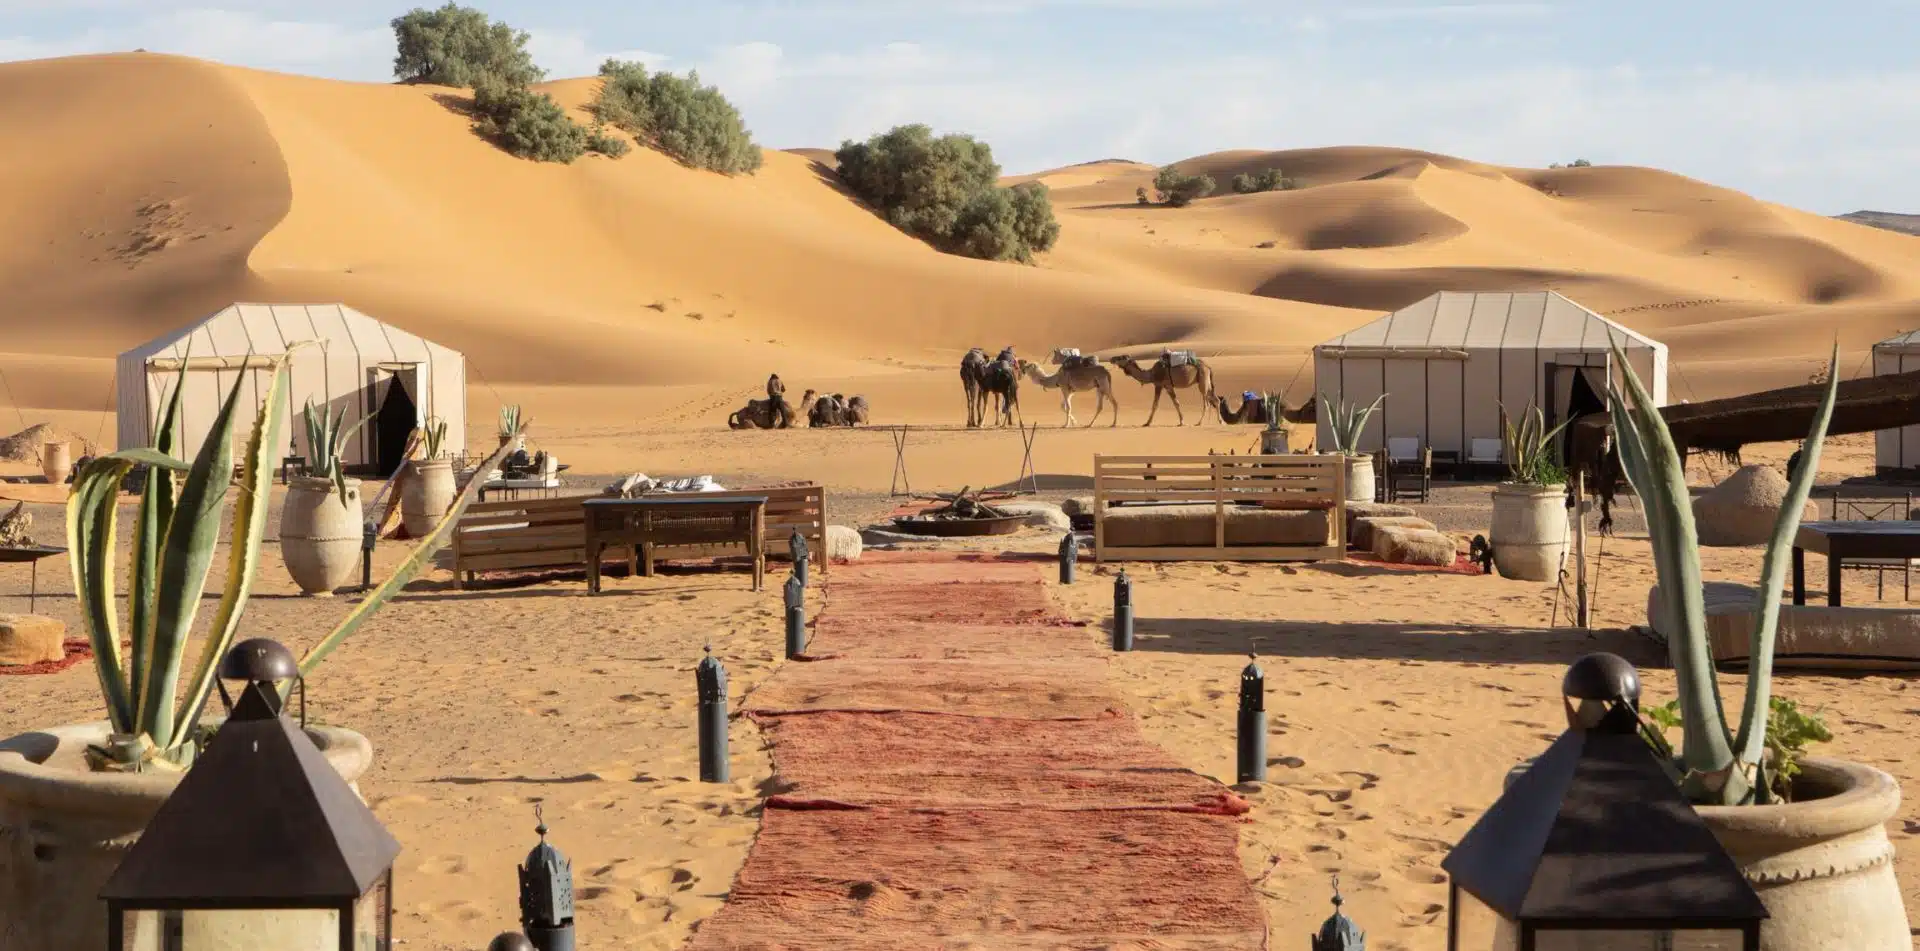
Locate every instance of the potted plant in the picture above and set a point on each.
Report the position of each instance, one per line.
(509, 424)
(1529, 533)
(56, 461)
(73, 797)
(320, 526)
(426, 496)
(1344, 427)
(1809, 833)
(1274, 439)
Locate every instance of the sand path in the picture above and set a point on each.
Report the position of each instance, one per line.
(950, 757)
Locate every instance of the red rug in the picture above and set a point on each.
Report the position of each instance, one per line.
(1462, 565)
(953, 772)
(77, 651)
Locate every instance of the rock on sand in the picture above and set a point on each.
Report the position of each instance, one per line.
(1741, 510)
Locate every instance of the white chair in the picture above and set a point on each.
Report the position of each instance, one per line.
(1403, 448)
(1485, 453)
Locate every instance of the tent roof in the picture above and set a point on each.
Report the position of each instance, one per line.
(267, 329)
(1909, 339)
(1453, 320)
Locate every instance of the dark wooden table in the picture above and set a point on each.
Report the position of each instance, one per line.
(30, 554)
(690, 525)
(1844, 541)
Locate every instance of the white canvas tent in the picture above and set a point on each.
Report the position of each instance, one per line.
(1449, 362)
(1897, 451)
(354, 367)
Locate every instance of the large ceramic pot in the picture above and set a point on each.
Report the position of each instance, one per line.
(1529, 534)
(64, 829)
(1273, 442)
(56, 462)
(320, 534)
(1360, 487)
(1822, 863)
(426, 496)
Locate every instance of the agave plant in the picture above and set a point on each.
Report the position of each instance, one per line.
(434, 435)
(1275, 407)
(154, 722)
(327, 443)
(1713, 767)
(1530, 449)
(509, 420)
(1348, 421)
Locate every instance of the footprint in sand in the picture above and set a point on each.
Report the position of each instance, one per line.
(1359, 780)
(1420, 875)
(1413, 913)
(461, 911)
(1390, 748)
(1290, 762)
(1503, 688)
(441, 865)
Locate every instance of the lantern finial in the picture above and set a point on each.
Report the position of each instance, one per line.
(1338, 932)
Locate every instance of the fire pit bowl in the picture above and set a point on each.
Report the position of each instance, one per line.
(959, 527)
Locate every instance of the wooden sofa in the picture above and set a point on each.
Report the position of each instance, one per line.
(518, 534)
(1219, 508)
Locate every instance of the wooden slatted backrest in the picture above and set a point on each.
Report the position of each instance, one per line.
(1316, 481)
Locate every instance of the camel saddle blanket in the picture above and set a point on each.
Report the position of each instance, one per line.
(1077, 361)
(1177, 358)
(1250, 396)
(1064, 354)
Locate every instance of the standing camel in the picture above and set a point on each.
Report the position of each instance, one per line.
(973, 376)
(1002, 380)
(1170, 379)
(1078, 377)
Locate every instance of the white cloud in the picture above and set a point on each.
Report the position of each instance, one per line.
(1449, 12)
(229, 36)
(566, 54)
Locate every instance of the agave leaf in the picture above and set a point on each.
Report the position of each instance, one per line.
(184, 559)
(1752, 740)
(408, 569)
(156, 509)
(92, 518)
(250, 511)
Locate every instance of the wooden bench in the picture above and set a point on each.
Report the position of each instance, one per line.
(515, 534)
(1219, 508)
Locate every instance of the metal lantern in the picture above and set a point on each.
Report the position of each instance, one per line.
(1123, 612)
(710, 681)
(1593, 846)
(262, 844)
(1069, 554)
(546, 894)
(1251, 764)
(797, 548)
(510, 941)
(1338, 932)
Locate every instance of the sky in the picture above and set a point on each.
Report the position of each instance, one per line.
(1813, 105)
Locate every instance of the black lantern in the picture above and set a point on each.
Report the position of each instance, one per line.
(1338, 932)
(262, 845)
(1593, 846)
(546, 894)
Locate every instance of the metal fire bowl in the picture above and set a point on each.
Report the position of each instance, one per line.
(959, 527)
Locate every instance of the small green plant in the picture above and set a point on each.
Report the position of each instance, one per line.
(154, 725)
(1532, 455)
(1178, 189)
(327, 443)
(1348, 421)
(509, 420)
(1714, 766)
(1789, 731)
(434, 436)
(1275, 407)
(1140, 196)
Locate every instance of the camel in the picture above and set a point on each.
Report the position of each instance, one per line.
(1002, 380)
(1253, 409)
(762, 414)
(1078, 376)
(973, 375)
(835, 410)
(1168, 379)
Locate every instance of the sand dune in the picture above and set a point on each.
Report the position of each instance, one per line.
(164, 187)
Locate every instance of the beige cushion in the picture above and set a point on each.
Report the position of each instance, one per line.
(1363, 529)
(1809, 637)
(1192, 526)
(30, 639)
(1413, 546)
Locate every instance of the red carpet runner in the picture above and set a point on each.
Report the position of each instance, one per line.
(952, 772)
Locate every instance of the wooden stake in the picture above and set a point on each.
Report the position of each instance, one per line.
(1580, 618)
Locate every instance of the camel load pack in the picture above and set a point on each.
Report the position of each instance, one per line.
(1176, 358)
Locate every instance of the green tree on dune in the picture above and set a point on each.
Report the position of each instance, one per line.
(677, 115)
(457, 46)
(1178, 189)
(945, 190)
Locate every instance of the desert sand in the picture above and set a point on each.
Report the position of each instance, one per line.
(629, 305)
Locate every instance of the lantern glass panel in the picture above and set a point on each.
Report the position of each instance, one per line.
(371, 918)
(248, 929)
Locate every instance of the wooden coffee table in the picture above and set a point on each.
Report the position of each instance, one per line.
(1849, 541)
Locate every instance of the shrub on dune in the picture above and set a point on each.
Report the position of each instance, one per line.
(677, 115)
(945, 190)
(526, 123)
(457, 46)
(1267, 181)
(1179, 189)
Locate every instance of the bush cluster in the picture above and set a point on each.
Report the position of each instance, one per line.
(693, 123)
(1576, 163)
(460, 46)
(1267, 181)
(945, 190)
(1178, 189)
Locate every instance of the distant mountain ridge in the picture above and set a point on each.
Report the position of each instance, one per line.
(1891, 221)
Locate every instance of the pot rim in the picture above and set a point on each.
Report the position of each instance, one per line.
(440, 463)
(1528, 488)
(315, 482)
(1868, 797)
(25, 780)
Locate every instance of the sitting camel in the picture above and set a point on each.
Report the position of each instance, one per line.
(1253, 409)
(1168, 375)
(833, 411)
(762, 414)
(1078, 375)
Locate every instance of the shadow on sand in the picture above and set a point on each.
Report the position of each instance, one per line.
(1444, 643)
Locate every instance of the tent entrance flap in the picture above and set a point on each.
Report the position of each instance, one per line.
(1577, 391)
(391, 392)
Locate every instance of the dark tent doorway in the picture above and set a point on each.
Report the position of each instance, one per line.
(1581, 398)
(394, 424)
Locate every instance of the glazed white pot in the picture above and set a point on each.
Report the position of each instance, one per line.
(64, 829)
(320, 534)
(56, 462)
(426, 496)
(1360, 478)
(1529, 533)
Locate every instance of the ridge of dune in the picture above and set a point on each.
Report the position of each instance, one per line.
(169, 187)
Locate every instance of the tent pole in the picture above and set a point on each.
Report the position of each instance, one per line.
(1580, 618)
